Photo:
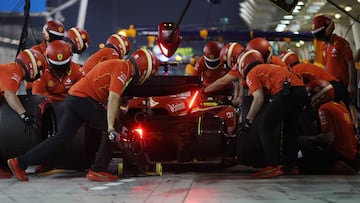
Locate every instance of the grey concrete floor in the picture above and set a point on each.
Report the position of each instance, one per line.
(194, 185)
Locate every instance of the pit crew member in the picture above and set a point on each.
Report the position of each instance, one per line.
(85, 104)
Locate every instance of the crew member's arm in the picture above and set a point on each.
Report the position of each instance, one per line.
(220, 83)
(237, 88)
(14, 102)
(256, 104)
(113, 107)
(352, 79)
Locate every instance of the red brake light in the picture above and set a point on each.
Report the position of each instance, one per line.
(193, 99)
(140, 132)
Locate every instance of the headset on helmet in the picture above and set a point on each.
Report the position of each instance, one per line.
(120, 43)
(320, 91)
(32, 61)
(58, 55)
(78, 38)
(261, 45)
(290, 58)
(55, 29)
(247, 60)
(322, 27)
(145, 63)
(212, 54)
(229, 54)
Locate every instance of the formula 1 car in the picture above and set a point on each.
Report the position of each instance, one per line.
(168, 122)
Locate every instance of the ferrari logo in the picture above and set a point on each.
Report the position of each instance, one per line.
(50, 83)
(60, 29)
(59, 57)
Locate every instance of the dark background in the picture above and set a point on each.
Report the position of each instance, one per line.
(105, 17)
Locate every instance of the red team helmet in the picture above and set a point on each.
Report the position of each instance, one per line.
(79, 38)
(146, 63)
(121, 44)
(320, 91)
(322, 26)
(261, 45)
(58, 54)
(290, 58)
(247, 60)
(32, 61)
(229, 54)
(55, 29)
(212, 54)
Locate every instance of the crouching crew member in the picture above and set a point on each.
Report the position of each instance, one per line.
(85, 104)
(334, 150)
(288, 97)
(28, 66)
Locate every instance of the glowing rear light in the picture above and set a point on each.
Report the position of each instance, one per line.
(193, 99)
(140, 132)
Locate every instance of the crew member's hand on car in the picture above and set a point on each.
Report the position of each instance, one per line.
(112, 135)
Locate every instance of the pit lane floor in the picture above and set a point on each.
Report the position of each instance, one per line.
(193, 185)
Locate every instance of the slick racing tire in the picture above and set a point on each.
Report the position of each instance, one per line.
(249, 150)
(79, 153)
(12, 129)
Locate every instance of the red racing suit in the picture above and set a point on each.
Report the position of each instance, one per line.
(335, 118)
(336, 54)
(101, 55)
(54, 87)
(10, 78)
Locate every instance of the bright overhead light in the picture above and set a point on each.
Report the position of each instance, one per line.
(301, 3)
(307, 17)
(285, 22)
(280, 28)
(290, 17)
(245, 12)
(313, 9)
(319, 3)
(338, 15)
(347, 8)
(246, 18)
(294, 27)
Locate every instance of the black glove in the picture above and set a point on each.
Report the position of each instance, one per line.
(244, 129)
(31, 127)
(112, 135)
